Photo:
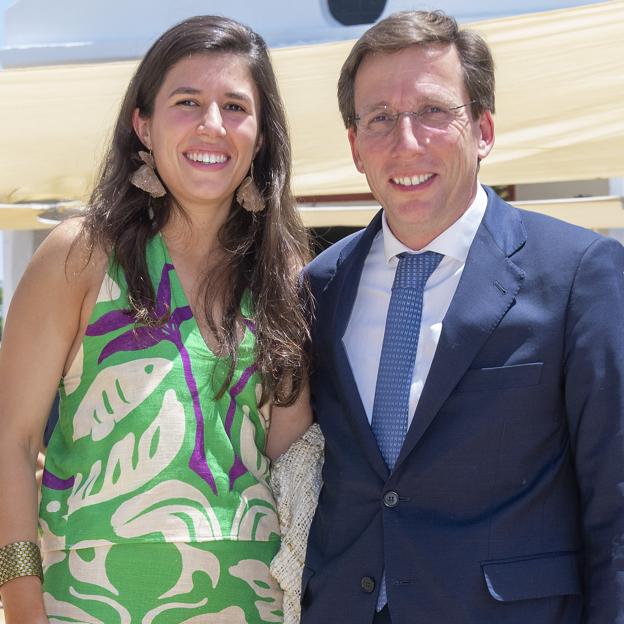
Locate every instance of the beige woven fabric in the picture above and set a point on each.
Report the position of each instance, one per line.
(296, 483)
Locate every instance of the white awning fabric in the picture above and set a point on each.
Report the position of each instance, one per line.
(601, 213)
(559, 116)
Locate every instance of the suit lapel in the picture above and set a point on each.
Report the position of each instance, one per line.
(486, 291)
(340, 296)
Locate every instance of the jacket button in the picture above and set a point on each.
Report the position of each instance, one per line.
(368, 584)
(391, 499)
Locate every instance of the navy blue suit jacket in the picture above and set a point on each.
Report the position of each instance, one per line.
(510, 482)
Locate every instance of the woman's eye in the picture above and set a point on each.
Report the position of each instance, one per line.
(187, 103)
(234, 107)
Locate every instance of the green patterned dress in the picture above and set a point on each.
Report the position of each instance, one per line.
(155, 505)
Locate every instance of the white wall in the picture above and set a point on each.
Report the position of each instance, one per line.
(18, 248)
(616, 187)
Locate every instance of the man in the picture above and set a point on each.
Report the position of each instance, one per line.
(474, 468)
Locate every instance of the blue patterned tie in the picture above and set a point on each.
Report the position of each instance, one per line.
(398, 354)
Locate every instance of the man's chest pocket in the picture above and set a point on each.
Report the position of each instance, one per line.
(501, 377)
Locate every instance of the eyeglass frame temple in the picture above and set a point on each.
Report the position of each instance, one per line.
(355, 118)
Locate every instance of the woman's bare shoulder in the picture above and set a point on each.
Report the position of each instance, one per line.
(68, 258)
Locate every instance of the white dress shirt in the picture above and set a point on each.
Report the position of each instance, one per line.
(363, 337)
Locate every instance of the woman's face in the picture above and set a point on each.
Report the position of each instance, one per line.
(204, 130)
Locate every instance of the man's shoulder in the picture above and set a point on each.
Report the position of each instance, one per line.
(561, 245)
(544, 226)
(324, 265)
(539, 228)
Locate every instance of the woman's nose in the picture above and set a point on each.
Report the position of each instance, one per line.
(211, 123)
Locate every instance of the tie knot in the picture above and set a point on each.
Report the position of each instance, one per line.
(414, 270)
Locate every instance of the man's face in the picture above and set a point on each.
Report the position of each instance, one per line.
(424, 178)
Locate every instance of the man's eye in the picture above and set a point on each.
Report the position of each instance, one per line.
(187, 103)
(433, 109)
(381, 118)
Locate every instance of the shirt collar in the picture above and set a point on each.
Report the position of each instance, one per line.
(454, 242)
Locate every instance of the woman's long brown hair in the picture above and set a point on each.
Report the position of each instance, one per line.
(264, 252)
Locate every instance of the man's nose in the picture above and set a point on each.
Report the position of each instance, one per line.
(211, 123)
(408, 134)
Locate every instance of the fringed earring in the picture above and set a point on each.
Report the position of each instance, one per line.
(146, 178)
(248, 195)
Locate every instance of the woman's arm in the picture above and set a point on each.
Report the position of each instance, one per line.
(40, 338)
(288, 424)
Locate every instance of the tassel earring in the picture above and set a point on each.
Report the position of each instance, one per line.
(146, 178)
(248, 195)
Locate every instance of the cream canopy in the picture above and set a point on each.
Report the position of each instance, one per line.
(560, 110)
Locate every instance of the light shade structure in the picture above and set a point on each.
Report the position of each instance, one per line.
(560, 111)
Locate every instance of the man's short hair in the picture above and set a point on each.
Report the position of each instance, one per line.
(408, 28)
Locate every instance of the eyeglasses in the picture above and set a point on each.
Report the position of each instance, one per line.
(379, 123)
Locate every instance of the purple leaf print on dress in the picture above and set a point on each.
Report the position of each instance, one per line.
(116, 319)
(238, 468)
(53, 482)
(137, 338)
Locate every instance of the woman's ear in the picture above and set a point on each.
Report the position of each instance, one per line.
(141, 127)
(259, 143)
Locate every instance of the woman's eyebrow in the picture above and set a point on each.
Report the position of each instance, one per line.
(185, 90)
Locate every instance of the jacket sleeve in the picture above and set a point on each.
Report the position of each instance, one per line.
(594, 395)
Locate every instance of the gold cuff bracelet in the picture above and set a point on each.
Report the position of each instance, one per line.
(20, 559)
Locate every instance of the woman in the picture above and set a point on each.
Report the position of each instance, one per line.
(174, 313)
